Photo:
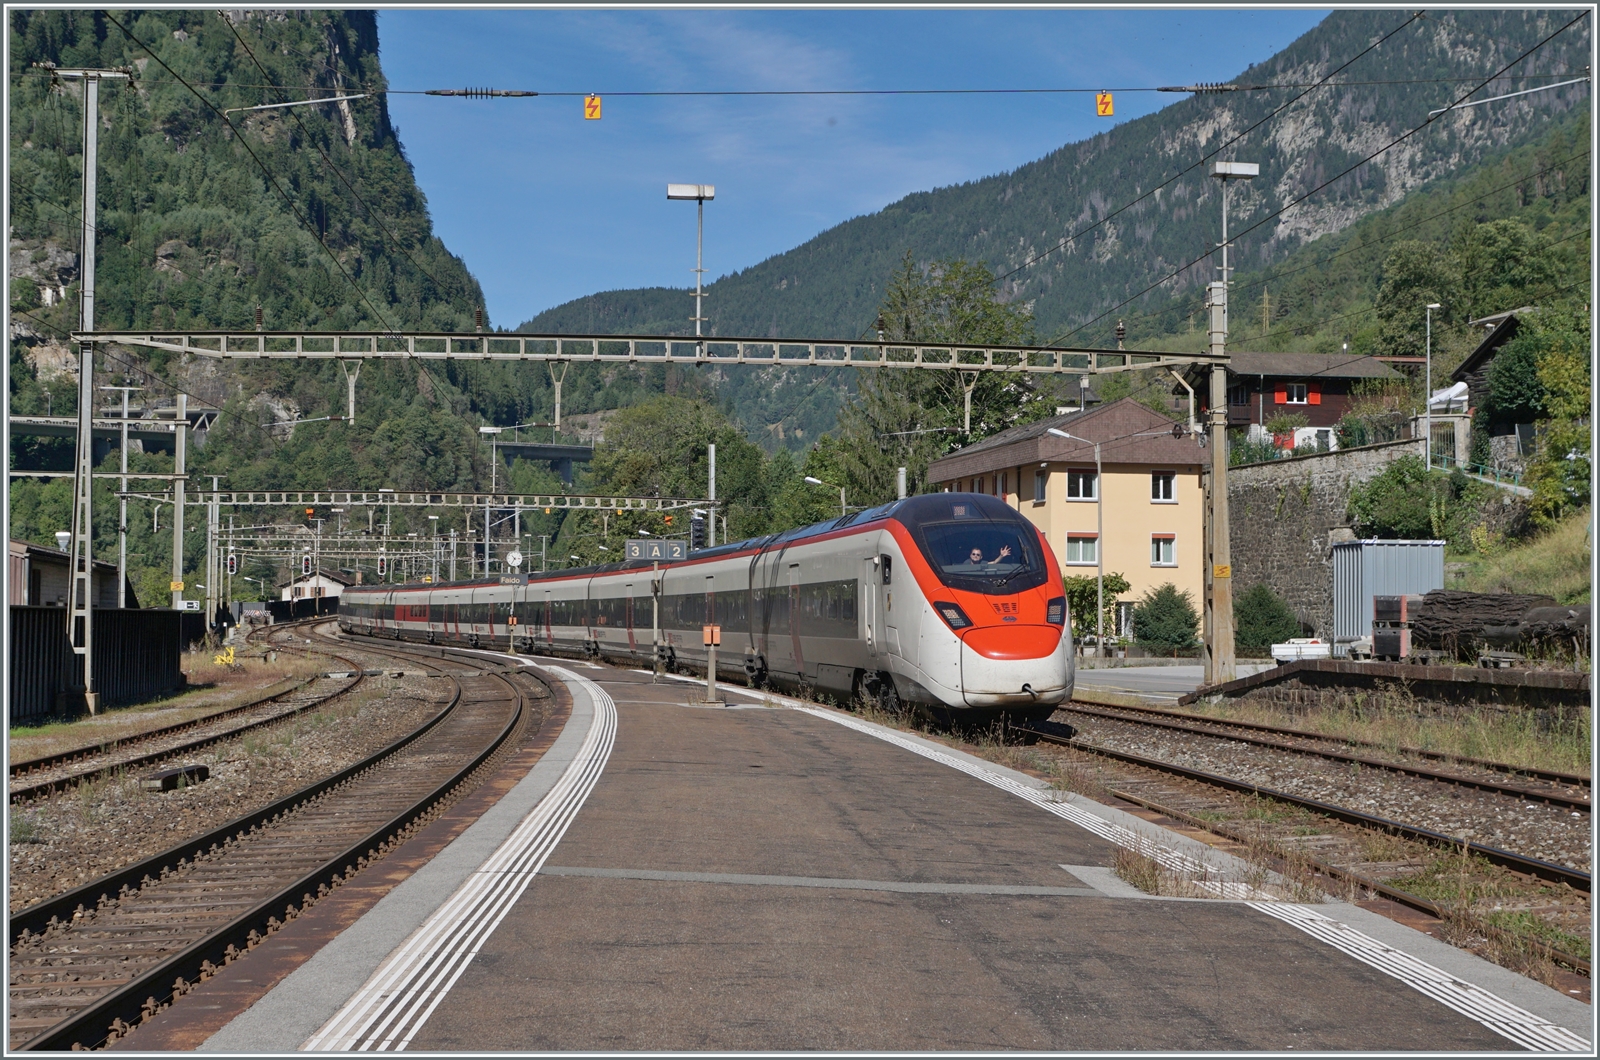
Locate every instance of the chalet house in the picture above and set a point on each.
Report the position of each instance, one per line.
(1315, 385)
(1153, 514)
(319, 583)
(1509, 443)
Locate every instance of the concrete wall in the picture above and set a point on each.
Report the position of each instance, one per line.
(1284, 516)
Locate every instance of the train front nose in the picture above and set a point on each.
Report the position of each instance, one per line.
(1015, 665)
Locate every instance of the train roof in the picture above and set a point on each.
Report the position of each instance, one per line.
(914, 509)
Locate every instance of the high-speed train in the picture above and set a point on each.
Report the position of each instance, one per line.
(950, 600)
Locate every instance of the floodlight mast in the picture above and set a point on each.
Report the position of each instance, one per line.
(699, 193)
(1219, 570)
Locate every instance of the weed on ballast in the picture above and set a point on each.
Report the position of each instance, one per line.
(24, 829)
(1139, 870)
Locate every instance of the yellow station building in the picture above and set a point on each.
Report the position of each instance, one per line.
(1150, 505)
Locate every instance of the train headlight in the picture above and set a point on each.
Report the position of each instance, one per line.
(1055, 612)
(953, 615)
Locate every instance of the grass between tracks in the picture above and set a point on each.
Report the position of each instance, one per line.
(212, 687)
(1530, 739)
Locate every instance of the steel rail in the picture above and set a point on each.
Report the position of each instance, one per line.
(643, 349)
(48, 787)
(1577, 879)
(1577, 780)
(93, 1025)
(1394, 894)
(1552, 798)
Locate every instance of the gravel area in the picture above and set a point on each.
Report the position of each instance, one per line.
(1531, 829)
(88, 831)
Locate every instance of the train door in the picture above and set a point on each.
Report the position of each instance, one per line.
(549, 633)
(794, 619)
(885, 584)
(871, 608)
(627, 616)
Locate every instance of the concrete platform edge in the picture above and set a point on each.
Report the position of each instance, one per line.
(307, 998)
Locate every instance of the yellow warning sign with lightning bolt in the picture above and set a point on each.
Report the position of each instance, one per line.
(591, 108)
(1102, 104)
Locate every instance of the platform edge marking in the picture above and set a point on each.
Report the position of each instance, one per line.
(397, 1000)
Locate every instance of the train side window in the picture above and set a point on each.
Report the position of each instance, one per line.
(888, 566)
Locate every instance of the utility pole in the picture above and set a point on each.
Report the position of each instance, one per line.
(122, 505)
(180, 427)
(80, 594)
(455, 536)
(1219, 571)
(213, 525)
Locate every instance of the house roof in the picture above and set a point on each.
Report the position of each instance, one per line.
(322, 572)
(28, 548)
(1299, 367)
(1504, 329)
(1128, 433)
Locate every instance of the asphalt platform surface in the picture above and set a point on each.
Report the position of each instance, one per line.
(765, 879)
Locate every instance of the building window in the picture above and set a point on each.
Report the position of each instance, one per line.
(1080, 484)
(1040, 480)
(1005, 484)
(1125, 619)
(1239, 395)
(1163, 487)
(977, 485)
(1082, 549)
(1163, 550)
(1296, 393)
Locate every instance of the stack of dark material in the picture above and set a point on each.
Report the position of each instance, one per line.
(1465, 623)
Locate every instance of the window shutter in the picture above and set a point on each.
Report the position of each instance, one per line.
(1314, 393)
(1280, 395)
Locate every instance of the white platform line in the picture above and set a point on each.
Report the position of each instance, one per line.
(1526, 1029)
(394, 1004)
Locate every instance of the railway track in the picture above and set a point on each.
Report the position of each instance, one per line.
(89, 964)
(40, 777)
(1525, 866)
(1567, 790)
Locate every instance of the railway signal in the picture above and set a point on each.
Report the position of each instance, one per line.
(697, 530)
(383, 565)
(305, 565)
(233, 563)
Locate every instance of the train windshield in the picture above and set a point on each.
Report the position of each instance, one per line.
(975, 543)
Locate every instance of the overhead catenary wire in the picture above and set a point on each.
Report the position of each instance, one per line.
(271, 178)
(1320, 187)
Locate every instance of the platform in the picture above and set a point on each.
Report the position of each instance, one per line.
(761, 877)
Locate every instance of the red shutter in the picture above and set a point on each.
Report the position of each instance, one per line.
(1280, 395)
(1314, 393)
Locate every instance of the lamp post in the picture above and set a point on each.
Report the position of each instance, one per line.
(1219, 572)
(699, 193)
(1099, 547)
(1427, 394)
(818, 482)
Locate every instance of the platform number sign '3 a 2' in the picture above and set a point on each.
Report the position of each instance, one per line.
(1102, 104)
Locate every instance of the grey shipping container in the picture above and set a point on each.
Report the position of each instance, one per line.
(1364, 569)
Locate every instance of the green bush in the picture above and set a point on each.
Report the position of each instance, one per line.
(1261, 619)
(1081, 593)
(1165, 620)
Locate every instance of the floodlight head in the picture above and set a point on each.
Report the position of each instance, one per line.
(1435, 305)
(692, 191)
(814, 481)
(1235, 170)
(1062, 434)
(490, 430)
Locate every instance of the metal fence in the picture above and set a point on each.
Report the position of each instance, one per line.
(136, 657)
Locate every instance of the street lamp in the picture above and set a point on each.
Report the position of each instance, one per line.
(699, 193)
(818, 482)
(1427, 394)
(1099, 546)
(493, 434)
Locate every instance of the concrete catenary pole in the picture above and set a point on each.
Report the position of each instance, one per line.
(180, 427)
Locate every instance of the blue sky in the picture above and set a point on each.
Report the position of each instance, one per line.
(546, 207)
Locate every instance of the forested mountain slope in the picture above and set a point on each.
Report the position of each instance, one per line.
(831, 286)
